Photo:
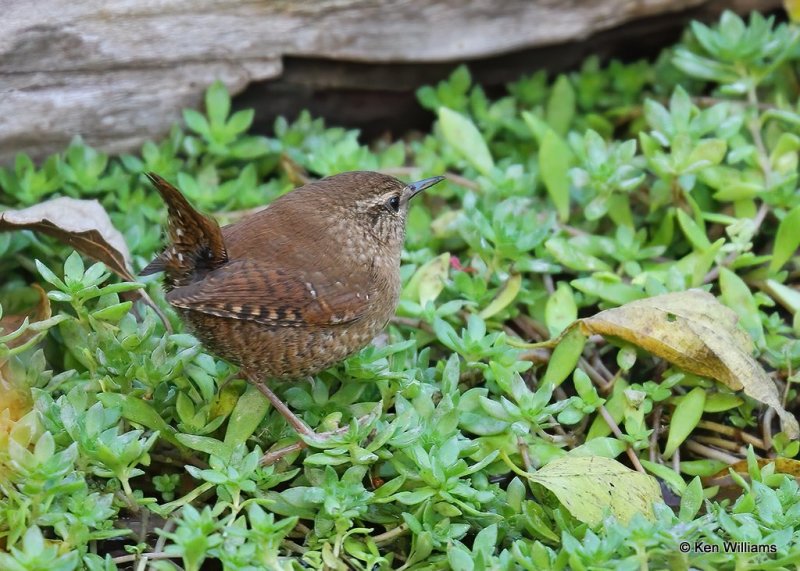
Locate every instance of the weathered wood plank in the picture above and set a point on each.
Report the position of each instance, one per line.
(118, 72)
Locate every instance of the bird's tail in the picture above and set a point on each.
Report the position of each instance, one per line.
(196, 240)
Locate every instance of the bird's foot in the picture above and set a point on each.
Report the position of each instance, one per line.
(294, 421)
(316, 439)
(307, 435)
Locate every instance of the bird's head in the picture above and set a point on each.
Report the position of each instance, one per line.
(376, 204)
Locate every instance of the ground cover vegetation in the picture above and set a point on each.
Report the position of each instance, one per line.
(594, 359)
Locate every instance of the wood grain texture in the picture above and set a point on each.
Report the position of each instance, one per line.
(118, 72)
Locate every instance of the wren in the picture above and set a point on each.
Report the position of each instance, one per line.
(295, 288)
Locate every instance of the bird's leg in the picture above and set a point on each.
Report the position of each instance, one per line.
(274, 455)
(295, 422)
(299, 426)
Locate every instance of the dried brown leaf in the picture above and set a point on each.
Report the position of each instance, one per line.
(83, 224)
(782, 466)
(694, 331)
(730, 488)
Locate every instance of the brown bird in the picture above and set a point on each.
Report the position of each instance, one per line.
(296, 287)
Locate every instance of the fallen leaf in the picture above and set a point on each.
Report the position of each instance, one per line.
(782, 466)
(731, 489)
(792, 9)
(589, 486)
(83, 224)
(296, 174)
(695, 332)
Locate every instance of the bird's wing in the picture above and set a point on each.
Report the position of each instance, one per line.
(197, 241)
(254, 291)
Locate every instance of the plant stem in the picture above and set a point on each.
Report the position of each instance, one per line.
(618, 433)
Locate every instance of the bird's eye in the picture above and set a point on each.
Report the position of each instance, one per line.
(394, 203)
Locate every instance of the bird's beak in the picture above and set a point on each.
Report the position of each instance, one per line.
(415, 188)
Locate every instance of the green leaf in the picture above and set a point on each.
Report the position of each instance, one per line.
(560, 310)
(462, 134)
(737, 296)
(460, 559)
(680, 109)
(657, 117)
(248, 148)
(687, 414)
(415, 497)
(783, 157)
(137, 410)
(538, 127)
(561, 105)
(49, 276)
(197, 122)
(240, 121)
(720, 402)
(486, 540)
(113, 313)
(707, 152)
(612, 290)
(691, 500)
(248, 413)
(703, 68)
(554, 162)
(602, 446)
(666, 473)
(565, 357)
(210, 446)
(218, 103)
(73, 268)
(428, 281)
(787, 240)
(584, 386)
(702, 468)
(692, 231)
(505, 297)
(786, 296)
(572, 256)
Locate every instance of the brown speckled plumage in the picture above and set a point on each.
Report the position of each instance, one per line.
(300, 285)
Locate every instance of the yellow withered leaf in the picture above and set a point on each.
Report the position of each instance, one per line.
(792, 9)
(782, 466)
(591, 486)
(695, 332)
